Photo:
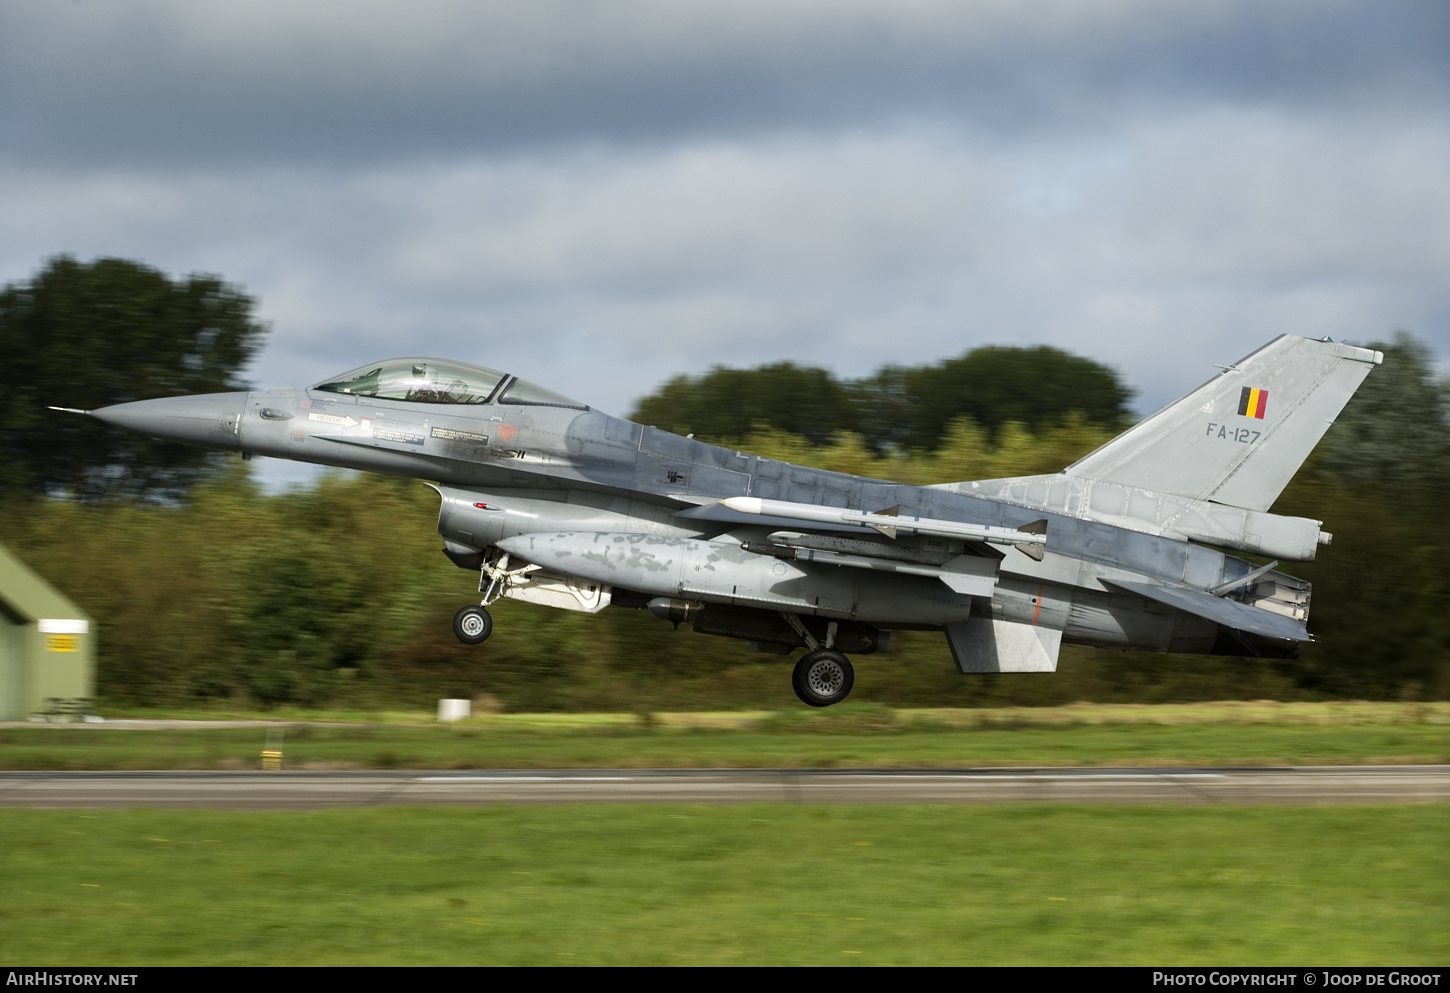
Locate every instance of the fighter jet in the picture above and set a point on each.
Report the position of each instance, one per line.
(553, 502)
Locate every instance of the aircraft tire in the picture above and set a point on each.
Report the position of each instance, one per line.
(823, 677)
(472, 625)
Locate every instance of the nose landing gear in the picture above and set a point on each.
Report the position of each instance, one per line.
(472, 625)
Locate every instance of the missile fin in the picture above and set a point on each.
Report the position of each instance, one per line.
(1036, 527)
(887, 530)
(1034, 552)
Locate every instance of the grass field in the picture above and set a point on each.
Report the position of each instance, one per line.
(847, 736)
(775, 884)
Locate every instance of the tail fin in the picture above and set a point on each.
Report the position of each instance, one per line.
(1239, 438)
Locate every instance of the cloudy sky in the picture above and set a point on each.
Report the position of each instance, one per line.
(597, 195)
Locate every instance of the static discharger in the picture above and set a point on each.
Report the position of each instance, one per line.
(1030, 538)
(272, 753)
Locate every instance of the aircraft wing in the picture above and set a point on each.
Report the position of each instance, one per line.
(1229, 613)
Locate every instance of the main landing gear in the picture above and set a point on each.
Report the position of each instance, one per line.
(823, 677)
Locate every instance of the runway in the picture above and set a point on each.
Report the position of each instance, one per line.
(306, 790)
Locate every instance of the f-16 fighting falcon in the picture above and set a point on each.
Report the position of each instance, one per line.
(553, 502)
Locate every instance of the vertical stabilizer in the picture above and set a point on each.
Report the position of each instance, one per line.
(1239, 438)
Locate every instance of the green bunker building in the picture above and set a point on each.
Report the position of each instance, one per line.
(47, 648)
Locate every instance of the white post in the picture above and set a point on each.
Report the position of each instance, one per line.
(453, 710)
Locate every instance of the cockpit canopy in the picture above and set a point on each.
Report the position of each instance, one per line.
(441, 381)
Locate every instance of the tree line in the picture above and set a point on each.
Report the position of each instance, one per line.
(897, 408)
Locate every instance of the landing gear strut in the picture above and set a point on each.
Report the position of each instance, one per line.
(823, 677)
(472, 625)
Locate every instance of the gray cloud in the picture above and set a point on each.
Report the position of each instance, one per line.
(603, 272)
(598, 196)
(162, 83)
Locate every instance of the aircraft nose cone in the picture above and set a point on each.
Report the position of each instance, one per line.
(210, 419)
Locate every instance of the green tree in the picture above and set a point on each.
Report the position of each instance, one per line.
(902, 408)
(995, 385)
(727, 403)
(88, 335)
(1378, 480)
(1393, 437)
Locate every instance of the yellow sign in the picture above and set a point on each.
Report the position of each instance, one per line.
(62, 643)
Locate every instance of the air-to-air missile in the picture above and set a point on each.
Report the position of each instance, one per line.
(550, 501)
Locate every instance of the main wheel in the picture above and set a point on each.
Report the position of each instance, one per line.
(472, 625)
(823, 677)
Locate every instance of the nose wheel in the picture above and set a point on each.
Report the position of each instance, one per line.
(473, 625)
(823, 677)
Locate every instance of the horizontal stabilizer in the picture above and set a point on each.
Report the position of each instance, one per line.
(1227, 613)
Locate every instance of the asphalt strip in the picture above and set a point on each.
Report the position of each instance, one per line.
(307, 789)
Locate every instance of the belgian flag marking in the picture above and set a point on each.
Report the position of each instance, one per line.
(1252, 402)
